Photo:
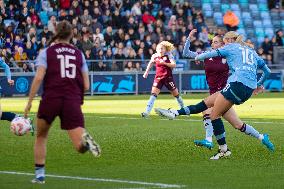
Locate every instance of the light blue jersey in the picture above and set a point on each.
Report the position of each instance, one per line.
(243, 62)
(6, 68)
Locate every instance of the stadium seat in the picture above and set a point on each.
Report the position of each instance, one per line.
(225, 7)
(282, 15)
(216, 1)
(260, 40)
(206, 1)
(282, 23)
(248, 23)
(257, 23)
(43, 17)
(238, 14)
(217, 7)
(263, 7)
(267, 23)
(246, 15)
(253, 7)
(262, 1)
(241, 31)
(208, 13)
(276, 24)
(206, 7)
(259, 32)
(265, 15)
(235, 7)
(243, 1)
(269, 32)
(255, 15)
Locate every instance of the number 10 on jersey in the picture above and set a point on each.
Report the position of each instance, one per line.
(67, 69)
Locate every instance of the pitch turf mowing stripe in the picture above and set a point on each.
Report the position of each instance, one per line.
(160, 185)
(187, 120)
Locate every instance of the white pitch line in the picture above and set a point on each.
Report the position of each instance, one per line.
(160, 185)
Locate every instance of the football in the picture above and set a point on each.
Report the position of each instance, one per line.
(20, 126)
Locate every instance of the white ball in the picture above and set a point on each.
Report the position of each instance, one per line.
(20, 126)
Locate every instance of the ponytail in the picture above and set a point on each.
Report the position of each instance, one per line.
(63, 31)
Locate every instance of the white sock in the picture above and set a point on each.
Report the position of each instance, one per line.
(223, 148)
(150, 104)
(180, 101)
(208, 127)
(260, 137)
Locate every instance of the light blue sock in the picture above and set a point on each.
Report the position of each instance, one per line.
(150, 103)
(249, 130)
(208, 127)
(180, 101)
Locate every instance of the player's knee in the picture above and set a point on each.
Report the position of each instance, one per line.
(154, 94)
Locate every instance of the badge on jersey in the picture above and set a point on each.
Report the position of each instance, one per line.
(224, 60)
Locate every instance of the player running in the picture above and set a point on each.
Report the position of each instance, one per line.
(243, 62)
(165, 62)
(217, 73)
(64, 71)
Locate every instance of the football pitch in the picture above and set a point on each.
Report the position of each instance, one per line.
(148, 153)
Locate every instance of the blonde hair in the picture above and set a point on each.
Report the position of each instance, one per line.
(238, 38)
(169, 46)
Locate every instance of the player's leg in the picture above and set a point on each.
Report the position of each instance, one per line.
(40, 150)
(72, 120)
(187, 110)
(8, 116)
(232, 117)
(207, 142)
(170, 84)
(156, 88)
(221, 106)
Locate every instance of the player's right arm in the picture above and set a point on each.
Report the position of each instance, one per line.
(85, 74)
(186, 52)
(41, 65)
(149, 66)
(7, 71)
(221, 52)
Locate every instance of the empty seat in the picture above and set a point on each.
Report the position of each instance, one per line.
(216, 1)
(206, 7)
(225, 7)
(259, 32)
(260, 39)
(208, 13)
(246, 15)
(262, 1)
(241, 31)
(243, 1)
(267, 23)
(269, 32)
(263, 7)
(265, 15)
(257, 23)
(206, 1)
(238, 14)
(253, 7)
(274, 15)
(235, 7)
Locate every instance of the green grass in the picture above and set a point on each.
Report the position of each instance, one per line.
(152, 150)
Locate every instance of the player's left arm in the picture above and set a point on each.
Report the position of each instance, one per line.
(41, 65)
(7, 71)
(85, 74)
(266, 71)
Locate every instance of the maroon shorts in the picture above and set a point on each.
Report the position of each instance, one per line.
(216, 88)
(168, 82)
(69, 112)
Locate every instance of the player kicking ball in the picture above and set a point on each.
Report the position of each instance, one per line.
(65, 73)
(243, 62)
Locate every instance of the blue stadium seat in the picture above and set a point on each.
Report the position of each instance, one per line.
(269, 32)
(282, 15)
(206, 1)
(235, 7)
(276, 24)
(217, 15)
(43, 17)
(265, 15)
(243, 1)
(246, 15)
(263, 7)
(216, 1)
(225, 7)
(259, 32)
(206, 7)
(255, 15)
(267, 23)
(253, 7)
(282, 23)
(248, 23)
(262, 1)
(260, 39)
(208, 13)
(257, 24)
(217, 7)
(238, 14)
(241, 31)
